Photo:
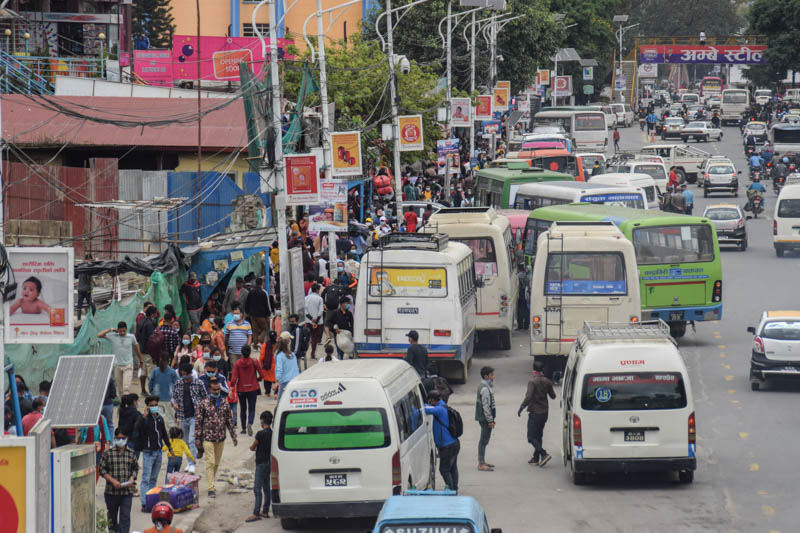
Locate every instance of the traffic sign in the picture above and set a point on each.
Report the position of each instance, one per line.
(588, 89)
(588, 73)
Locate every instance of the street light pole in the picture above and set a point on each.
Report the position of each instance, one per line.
(398, 193)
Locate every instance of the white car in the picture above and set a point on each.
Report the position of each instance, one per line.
(721, 177)
(757, 129)
(763, 96)
(776, 347)
(672, 127)
(790, 119)
(700, 131)
(714, 102)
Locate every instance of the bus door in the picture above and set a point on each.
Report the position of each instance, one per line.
(485, 257)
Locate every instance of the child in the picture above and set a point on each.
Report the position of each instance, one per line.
(262, 446)
(30, 302)
(329, 354)
(179, 449)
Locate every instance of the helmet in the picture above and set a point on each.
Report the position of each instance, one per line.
(162, 512)
(785, 159)
(538, 365)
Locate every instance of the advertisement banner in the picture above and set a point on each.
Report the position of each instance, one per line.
(648, 70)
(330, 214)
(302, 180)
(448, 149)
(218, 57)
(459, 112)
(346, 153)
(13, 490)
(752, 54)
(408, 282)
(588, 73)
(41, 312)
(504, 85)
(543, 77)
(563, 85)
(411, 133)
(620, 82)
(501, 98)
(523, 104)
(483, 107)
(491, 126)
(154, 67)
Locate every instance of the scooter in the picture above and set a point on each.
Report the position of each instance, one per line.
(749, 150)
(755, 174)
(777, 183)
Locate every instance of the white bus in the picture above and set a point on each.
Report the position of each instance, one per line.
(586, 128)
(532, 196)
(583, 272)
(489, 237)
(422, 282)
(631, 179)
(734, 103)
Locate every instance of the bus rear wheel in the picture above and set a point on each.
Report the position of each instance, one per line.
(504, 339)
(677, 329)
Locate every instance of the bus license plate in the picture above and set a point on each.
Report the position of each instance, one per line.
(634, 436)
(678, 315)
(340, 480)
(408, 310)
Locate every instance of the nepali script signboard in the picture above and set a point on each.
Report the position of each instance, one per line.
(731, 55)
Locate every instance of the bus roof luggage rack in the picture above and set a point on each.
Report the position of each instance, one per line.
(649, 329)
(467, 210)
(420, 241)
(567, 223)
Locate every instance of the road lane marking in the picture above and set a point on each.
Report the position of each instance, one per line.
(731, 391)
(734, 401)
(728, 378)
(726, 367)
(743, 435)
(721, 346)
(768, 510)
(754, 467)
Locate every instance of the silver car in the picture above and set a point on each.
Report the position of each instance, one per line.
(776, 348)
(720, 177)
(729, 223)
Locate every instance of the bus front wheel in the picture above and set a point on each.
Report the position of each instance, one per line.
(677, 329)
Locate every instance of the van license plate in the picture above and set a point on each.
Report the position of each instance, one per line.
(340, 480)
(634, 436)
(677, 315)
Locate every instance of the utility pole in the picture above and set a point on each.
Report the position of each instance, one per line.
(449, 90)
(472, 90)
(398, 193)
(199, 128)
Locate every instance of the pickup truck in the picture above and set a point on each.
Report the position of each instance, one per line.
(687, 160)
(426, 511)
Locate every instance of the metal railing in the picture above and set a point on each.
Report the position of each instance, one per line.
(37, 75)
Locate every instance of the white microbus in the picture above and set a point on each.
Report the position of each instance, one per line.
(423, 282)
(532, 196)
(489, 237)
(587, 129)
(347, 435)
(631, 179)
(734, 103)
(582, 272)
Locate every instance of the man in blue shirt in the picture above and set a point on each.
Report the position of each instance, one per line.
(755, 161)
(447, 445)
(651, 119)
(689, 196)
(162, 380)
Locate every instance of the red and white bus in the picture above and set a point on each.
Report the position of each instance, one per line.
(711, 86)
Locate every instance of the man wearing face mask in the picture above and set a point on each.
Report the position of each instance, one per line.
(239, 332)
(119, 467)
(152, 436)
(301, 338)
(214, 416)
(213, 372)
(162, 380)
(186, 395)
(340, 320)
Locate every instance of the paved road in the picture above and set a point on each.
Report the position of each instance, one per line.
(746, 475)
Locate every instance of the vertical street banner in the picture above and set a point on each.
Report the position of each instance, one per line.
(483, 107)
(346, 153)
(543, 77)
(504, 85)
(302, 180)
(330, 214)
(563, 85)
(501, 98)
(588, 73)
(460, 112)
(13, 490)
(411, 139)
(41, 311)
(448, 150)
(523, 104)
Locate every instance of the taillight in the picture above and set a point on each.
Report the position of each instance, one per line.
(758, 345)
(397, 474)
(372, 332)
(692, 430)
(577, 433)
(274, 478)
(774, 227)
(441, 333)
(503, 305)
(537, 321)
(634, 319)
(717, 292)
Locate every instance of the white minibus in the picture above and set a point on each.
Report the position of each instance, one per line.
(652, 165)
(786, 221)
(489, 237)
(532, 196)
(348, 435)
(690, 98)
(583, 271)
(586, 128)
(734, 103)
(626, 404)
(423, 282)
(631, 179)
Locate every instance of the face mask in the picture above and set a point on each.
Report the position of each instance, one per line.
(215, 396)
(120, 443)
(186, 342)
(490, 381)
(347, 307)
(217, 357)
(211, 374)
(188, 378)
(206, 355)
(237, 317)
(153, 410)
(341, 269)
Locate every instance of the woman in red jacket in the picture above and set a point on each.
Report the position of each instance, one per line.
(245, 377)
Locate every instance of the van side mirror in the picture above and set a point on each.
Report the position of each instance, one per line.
(738, 171)
(496, 530)
(752, 330)
(479, 282)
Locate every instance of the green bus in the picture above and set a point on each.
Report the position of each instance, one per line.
(497, 186)
(680, 269)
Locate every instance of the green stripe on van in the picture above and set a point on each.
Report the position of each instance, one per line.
(334, 418)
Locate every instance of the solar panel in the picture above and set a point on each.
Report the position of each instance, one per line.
(78, 389)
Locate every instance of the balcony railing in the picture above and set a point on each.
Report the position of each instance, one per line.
(37, 75)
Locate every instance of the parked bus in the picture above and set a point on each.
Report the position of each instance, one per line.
(535, 195)
(489, 237)
(680, 268)
(587, 128)
(711, 86)
(584, 272)
(497, 187)
(734, 103)
(555, 160)
(422, 282)
(785, 137)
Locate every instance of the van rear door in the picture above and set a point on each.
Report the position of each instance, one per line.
(634, 415)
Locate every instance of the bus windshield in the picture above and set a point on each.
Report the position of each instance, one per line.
(334, 429)
(655, 245)
(633, 391)
(586, 273)
(483, 253)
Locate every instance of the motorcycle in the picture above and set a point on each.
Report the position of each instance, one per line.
(758, 205)
(755, 174)
(749, 150)
(777, 183)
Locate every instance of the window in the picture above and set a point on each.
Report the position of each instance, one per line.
(673, 244)
(466, 280)
(335, 429)
(512, 256)
(721, 169)
(586, 274)
(738, 97)
(789, 209)
(408, 412)
(530, 203)
(534, 228)
(633, 200)
(484, 255)
(588, 122)
(723, 213)
(633, 391)
(248, 31)
(783, 330)
(788, 136)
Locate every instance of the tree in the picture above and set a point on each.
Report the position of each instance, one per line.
(777, 19)
(153, 19)
(717, 18)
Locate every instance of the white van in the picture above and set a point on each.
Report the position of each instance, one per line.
(631, 179)
(346, 437)
(627, 403)
(652, 165)
(786, 220)
(791, 95)
(532, 196)
(489, 237)
(624, 114)
(583, 271)
(762, 96)
(690, 98)
(419, 281)
(734, 103)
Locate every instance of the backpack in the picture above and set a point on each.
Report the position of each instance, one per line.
(155, 344)
(456, 426)
(333, 293)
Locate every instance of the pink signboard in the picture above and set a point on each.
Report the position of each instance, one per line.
(154, 67)
(219, 57)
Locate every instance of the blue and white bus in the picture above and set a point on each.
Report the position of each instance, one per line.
(532, 196)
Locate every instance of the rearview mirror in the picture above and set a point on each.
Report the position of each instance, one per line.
(479, 282)
(738, 171)
(496, 530)
(751, 329)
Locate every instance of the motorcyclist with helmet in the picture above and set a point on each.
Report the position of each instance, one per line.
(162, 519)
(779, 172)
(756, 189)
(756, 162)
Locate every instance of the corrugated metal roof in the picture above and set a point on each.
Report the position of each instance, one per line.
(27, 122)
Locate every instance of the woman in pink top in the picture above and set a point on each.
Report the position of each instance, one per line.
(245, 377)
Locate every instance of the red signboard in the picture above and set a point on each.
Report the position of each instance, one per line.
(727, 54)
(302, 180)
